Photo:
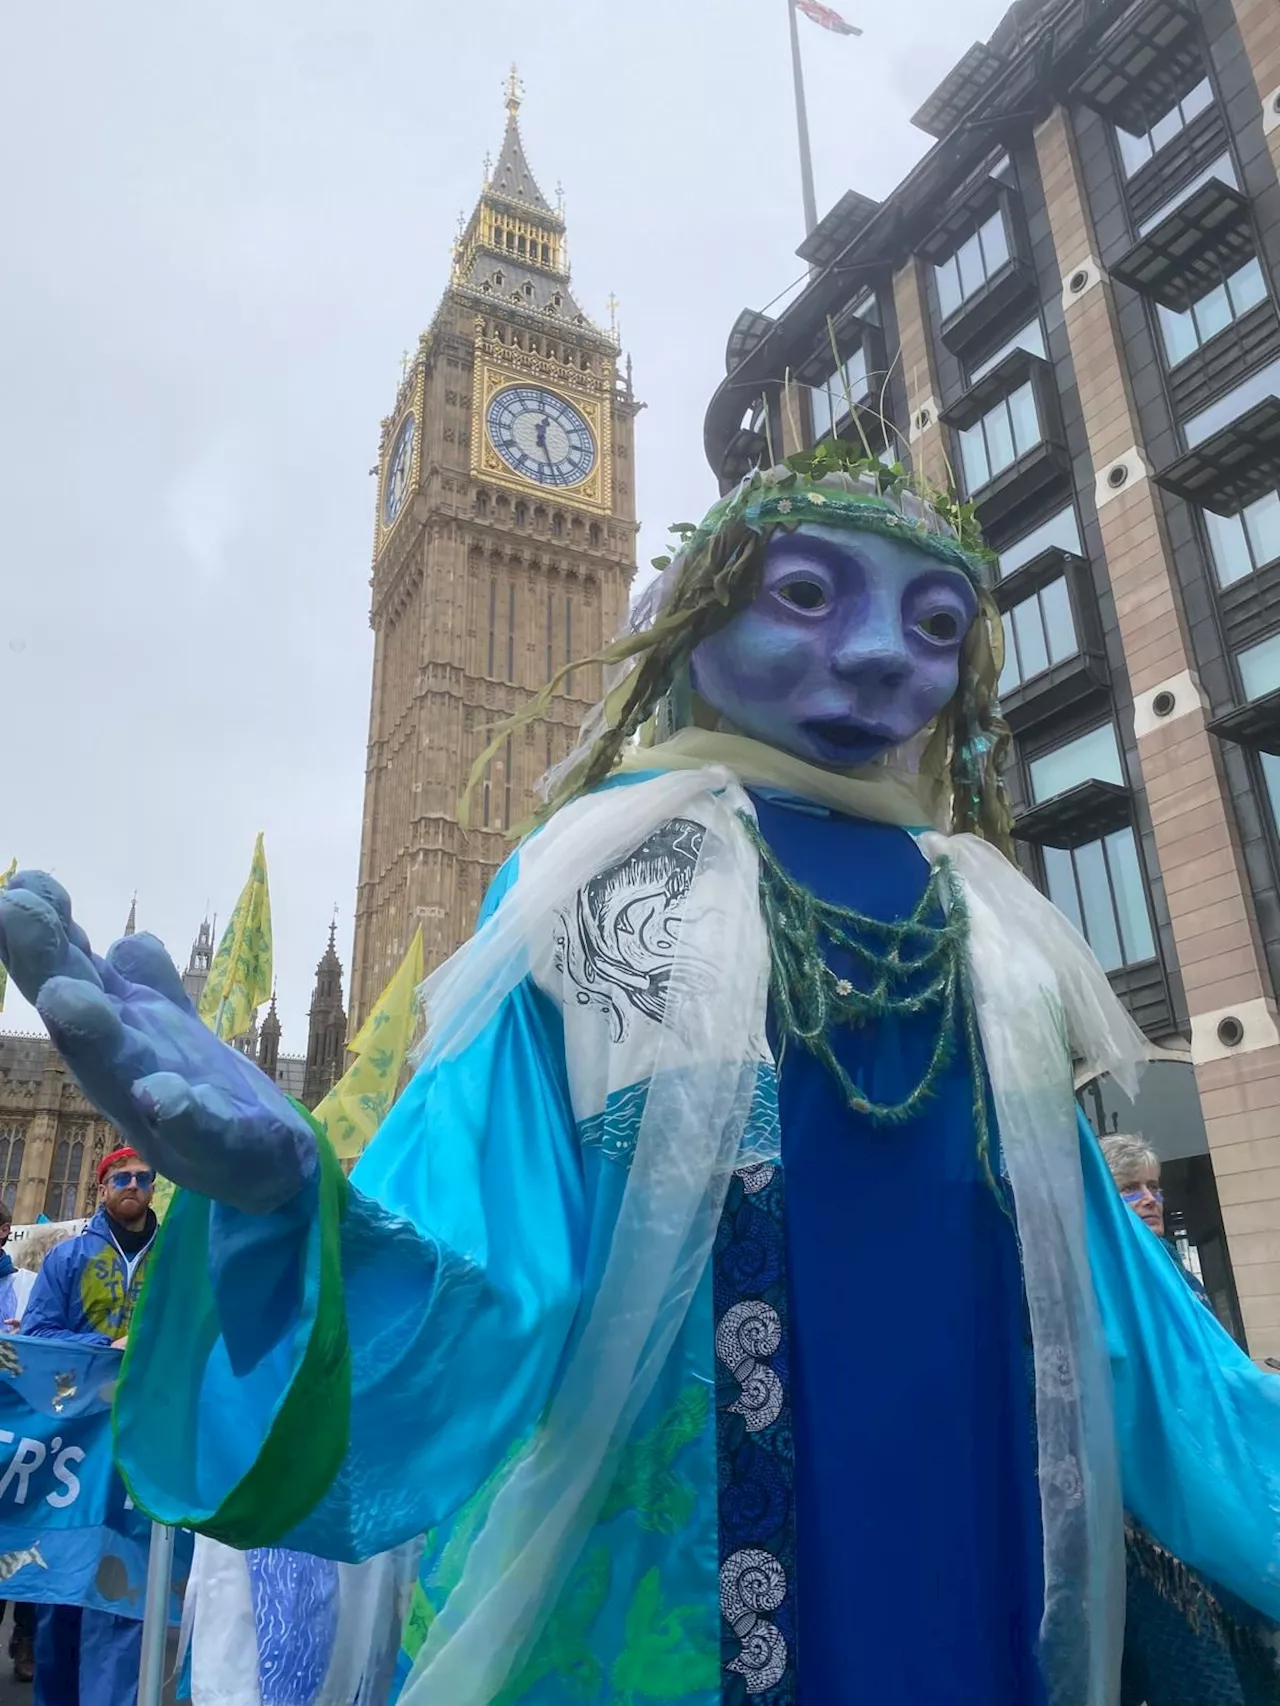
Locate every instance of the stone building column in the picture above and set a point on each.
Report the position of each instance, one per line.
(1220, 954)
(37, 1154)
(915, 355)
(1259, 24)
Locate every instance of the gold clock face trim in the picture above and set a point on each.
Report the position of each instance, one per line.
(540, 435)
(401, 464)
(577, 479)
(399, 469)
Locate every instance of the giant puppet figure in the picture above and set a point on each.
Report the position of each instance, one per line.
(735, 1299)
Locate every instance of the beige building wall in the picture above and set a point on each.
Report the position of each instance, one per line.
(1259, 25)
(1220, 954)
(49, 1134)
(915, 357)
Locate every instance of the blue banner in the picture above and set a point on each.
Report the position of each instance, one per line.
(69, 1534)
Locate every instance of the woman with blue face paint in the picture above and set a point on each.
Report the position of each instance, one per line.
(621, 1308)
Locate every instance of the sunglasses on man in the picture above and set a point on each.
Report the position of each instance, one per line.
(143, 1179)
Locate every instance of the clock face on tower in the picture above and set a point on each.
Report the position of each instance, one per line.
(540, 436)
(399, 467)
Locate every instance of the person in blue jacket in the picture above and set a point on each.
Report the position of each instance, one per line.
(86, 1290)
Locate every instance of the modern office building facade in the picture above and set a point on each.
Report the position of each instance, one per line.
(1069, 308)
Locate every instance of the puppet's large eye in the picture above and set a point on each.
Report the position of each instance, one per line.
(804, 594)
(942, 625)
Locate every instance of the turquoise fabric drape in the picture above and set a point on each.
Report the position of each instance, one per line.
(1197, 1422)
(474, 1225)
(455, 1334)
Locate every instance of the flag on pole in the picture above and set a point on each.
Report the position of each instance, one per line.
(4, 976)
(826, 17)
(361, 1099)
(240, 976)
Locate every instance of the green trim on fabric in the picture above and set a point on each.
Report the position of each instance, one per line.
(307, 1440)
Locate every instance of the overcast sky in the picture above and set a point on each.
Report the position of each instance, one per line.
(221, 226)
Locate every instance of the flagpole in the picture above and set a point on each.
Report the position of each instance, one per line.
(155, 1616)
(802, 127)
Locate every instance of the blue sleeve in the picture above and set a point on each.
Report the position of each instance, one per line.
(461, 1249)
(1198, 1424)
(50, 1309)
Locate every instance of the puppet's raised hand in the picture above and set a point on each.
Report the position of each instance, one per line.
(197, 1110)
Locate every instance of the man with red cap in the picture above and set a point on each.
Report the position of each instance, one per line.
(86, 1290)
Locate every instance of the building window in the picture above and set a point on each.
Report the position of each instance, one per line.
(1092, 757)
(493, 618)
(1038, 633)
(1004, 433)
(1184, 333)
(836, 398)
(64, 1179)
(964, 273)
(1099, 887)
(511, 632)
(1061, 530)
(1255, 389)
(1223, 168)
(1136, 150)
(1030, 338)
(13, 1141)
(1243, 543)
(551, 605)
(1259, 668)
(506, 786)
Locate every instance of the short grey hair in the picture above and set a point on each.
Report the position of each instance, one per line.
(1128, 1156)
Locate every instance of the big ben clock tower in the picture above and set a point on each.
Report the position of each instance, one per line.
(504, 547)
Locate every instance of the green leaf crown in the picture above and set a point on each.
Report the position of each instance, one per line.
(837, 486)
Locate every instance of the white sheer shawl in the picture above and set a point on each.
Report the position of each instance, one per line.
(1040, 997)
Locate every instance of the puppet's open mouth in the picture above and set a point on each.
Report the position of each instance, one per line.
(844, 742)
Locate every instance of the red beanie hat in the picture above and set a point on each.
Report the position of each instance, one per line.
(116, 1156)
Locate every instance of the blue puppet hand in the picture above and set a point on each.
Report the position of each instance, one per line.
(197, 1110)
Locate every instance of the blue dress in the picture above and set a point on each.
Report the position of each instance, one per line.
(917, 1521)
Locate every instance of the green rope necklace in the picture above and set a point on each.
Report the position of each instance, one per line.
(912, 966)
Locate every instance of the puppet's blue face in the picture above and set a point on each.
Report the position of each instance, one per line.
(852, 646)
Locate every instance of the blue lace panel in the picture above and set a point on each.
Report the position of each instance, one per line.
(754, 1444)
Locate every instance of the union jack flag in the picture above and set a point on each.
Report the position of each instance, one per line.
(826, 17)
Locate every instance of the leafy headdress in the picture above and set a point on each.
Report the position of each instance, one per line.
(716, 572)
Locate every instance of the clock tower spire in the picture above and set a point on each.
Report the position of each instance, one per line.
(504, 547)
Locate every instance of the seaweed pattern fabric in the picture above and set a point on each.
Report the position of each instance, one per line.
(754, 1444)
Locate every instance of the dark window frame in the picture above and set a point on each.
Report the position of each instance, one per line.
(1072, 855)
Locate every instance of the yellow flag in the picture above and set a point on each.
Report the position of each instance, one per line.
(361, 1099)
(4, 976)
(240, 977)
